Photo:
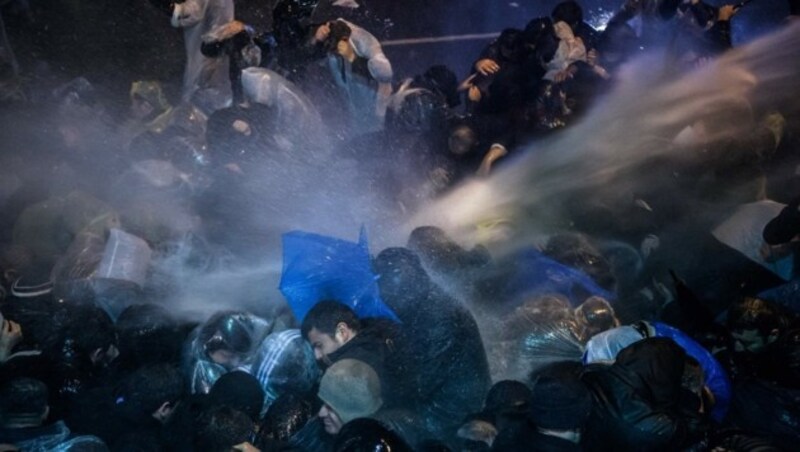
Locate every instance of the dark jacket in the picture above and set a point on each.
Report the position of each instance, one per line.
(50, 437)
(453, 375)
(382, 345)
(638, 401)
(525, 438)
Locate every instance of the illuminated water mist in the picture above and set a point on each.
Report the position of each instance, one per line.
(652, 102)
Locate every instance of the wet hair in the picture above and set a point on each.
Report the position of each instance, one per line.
(23, 399)
(150, 387)
(441, 80)
(148, 335)
(221, 428)
(339, 32)
(510, 43)
(508, 397)
(285, 417)
(325, 315)
(754, 314)
(89, 328)
(569, 11)
(368, 434)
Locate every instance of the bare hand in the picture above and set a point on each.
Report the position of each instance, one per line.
(10, 336)
(322, 33)
(726, 12)
(487, 66)
(474, 94)
(246, 447)
(592, 57)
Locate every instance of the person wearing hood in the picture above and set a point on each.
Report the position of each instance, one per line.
(349, 389)
(361, 71)
(453, 371)
(196, 18)
(639, 401)
(605, 346)
(558, 413)
(227, 341)
(284, 364)
(234, 40)
(158, 130)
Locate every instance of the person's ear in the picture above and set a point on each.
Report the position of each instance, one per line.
(342, 333)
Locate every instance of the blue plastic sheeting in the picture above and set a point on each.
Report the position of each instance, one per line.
(538, 274)
(715, 377)
(318, 267)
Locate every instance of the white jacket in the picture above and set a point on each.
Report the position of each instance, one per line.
(198, 17)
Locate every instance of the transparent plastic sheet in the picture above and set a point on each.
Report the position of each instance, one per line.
(545, 344)
(284, 363)
(317, 267)
(203, 372)
(109, 272)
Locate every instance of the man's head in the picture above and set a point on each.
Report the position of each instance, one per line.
(328, 326)
(349, 389)
(402, 279)
(754, 324)
(90, 337)
(568, 11)
(338, 41)
(594, 316)
(23, 403)
(153, 391)
(147, 100)
(221, 428)
(227, 338)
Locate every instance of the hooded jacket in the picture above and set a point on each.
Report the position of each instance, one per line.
(198, 17)
(638, 400)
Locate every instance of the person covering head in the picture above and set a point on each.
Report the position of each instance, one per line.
(351, 389)
(369, 435)
(560, 404)
(508, 397)
(150, 92)
(240, 391)
(754, 324)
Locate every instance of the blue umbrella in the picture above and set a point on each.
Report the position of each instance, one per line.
(318, 267)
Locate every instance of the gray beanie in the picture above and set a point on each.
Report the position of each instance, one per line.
(351, 388)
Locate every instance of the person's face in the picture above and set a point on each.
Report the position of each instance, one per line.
(751, 341)
(323, 344)
(330, 420)
(225, 358)
(140, 108)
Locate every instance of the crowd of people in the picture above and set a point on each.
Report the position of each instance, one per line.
(643, 323)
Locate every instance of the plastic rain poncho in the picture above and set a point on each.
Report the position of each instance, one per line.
(198, 17)
(284, 363)
(223, 327)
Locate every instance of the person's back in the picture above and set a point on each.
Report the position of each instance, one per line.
(453, 371)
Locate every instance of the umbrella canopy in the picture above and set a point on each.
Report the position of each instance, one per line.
(317, 267)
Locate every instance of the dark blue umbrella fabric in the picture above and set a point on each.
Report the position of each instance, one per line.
(318, 267)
